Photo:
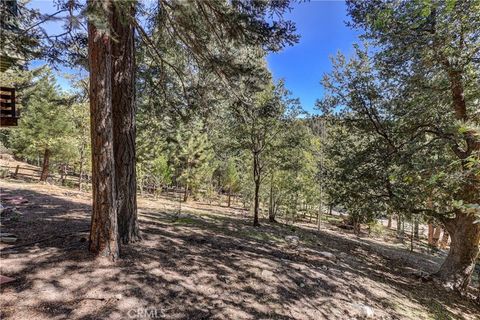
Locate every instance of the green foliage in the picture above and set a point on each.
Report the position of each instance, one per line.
(79, 117)
(191, 156)
(403, 118)
(229, 175)
(45, 123)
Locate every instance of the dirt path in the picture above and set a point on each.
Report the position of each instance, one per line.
(206, 264)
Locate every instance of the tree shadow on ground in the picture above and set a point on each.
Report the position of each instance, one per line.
(208, 267)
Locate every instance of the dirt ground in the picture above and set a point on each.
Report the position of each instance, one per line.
(206, 263)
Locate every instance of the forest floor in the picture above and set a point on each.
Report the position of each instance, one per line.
(206, 263)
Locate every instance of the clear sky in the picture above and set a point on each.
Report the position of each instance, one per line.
(323, 32)
(321, 25)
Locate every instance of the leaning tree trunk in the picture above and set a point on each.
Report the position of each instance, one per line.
(46, 165)
(103, 229)
(456, 271)
(123, 106)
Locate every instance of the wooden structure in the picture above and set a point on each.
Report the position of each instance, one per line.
(8, 113)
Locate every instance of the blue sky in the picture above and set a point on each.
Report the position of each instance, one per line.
(53, 27)
(322, 29)
(321, 25)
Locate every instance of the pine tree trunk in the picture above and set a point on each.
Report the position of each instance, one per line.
(46, 165)
(124, 130)
(456, 271)
(389, 224)
(256, 178)
(104, 228)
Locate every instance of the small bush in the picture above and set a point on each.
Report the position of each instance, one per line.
(376, 229)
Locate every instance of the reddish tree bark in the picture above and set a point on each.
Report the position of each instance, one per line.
(124, 129)
(103, 229)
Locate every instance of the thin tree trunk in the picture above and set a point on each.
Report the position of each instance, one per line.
(256, 178)
(389, 224)
(399, 224)
(16, 171)
(416, 233)
(229, 196)
(431, 229)
(456, 271)
(185, 194)
(444, 240)
(104, 228)
(256, 203)
(271, 207)
(80, 175)
(436, 236)
(46, 165)
(124, 129)
(256, 206)
(62, 174)
(412, 234)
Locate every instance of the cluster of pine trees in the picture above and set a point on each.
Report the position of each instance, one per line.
(179, 95)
